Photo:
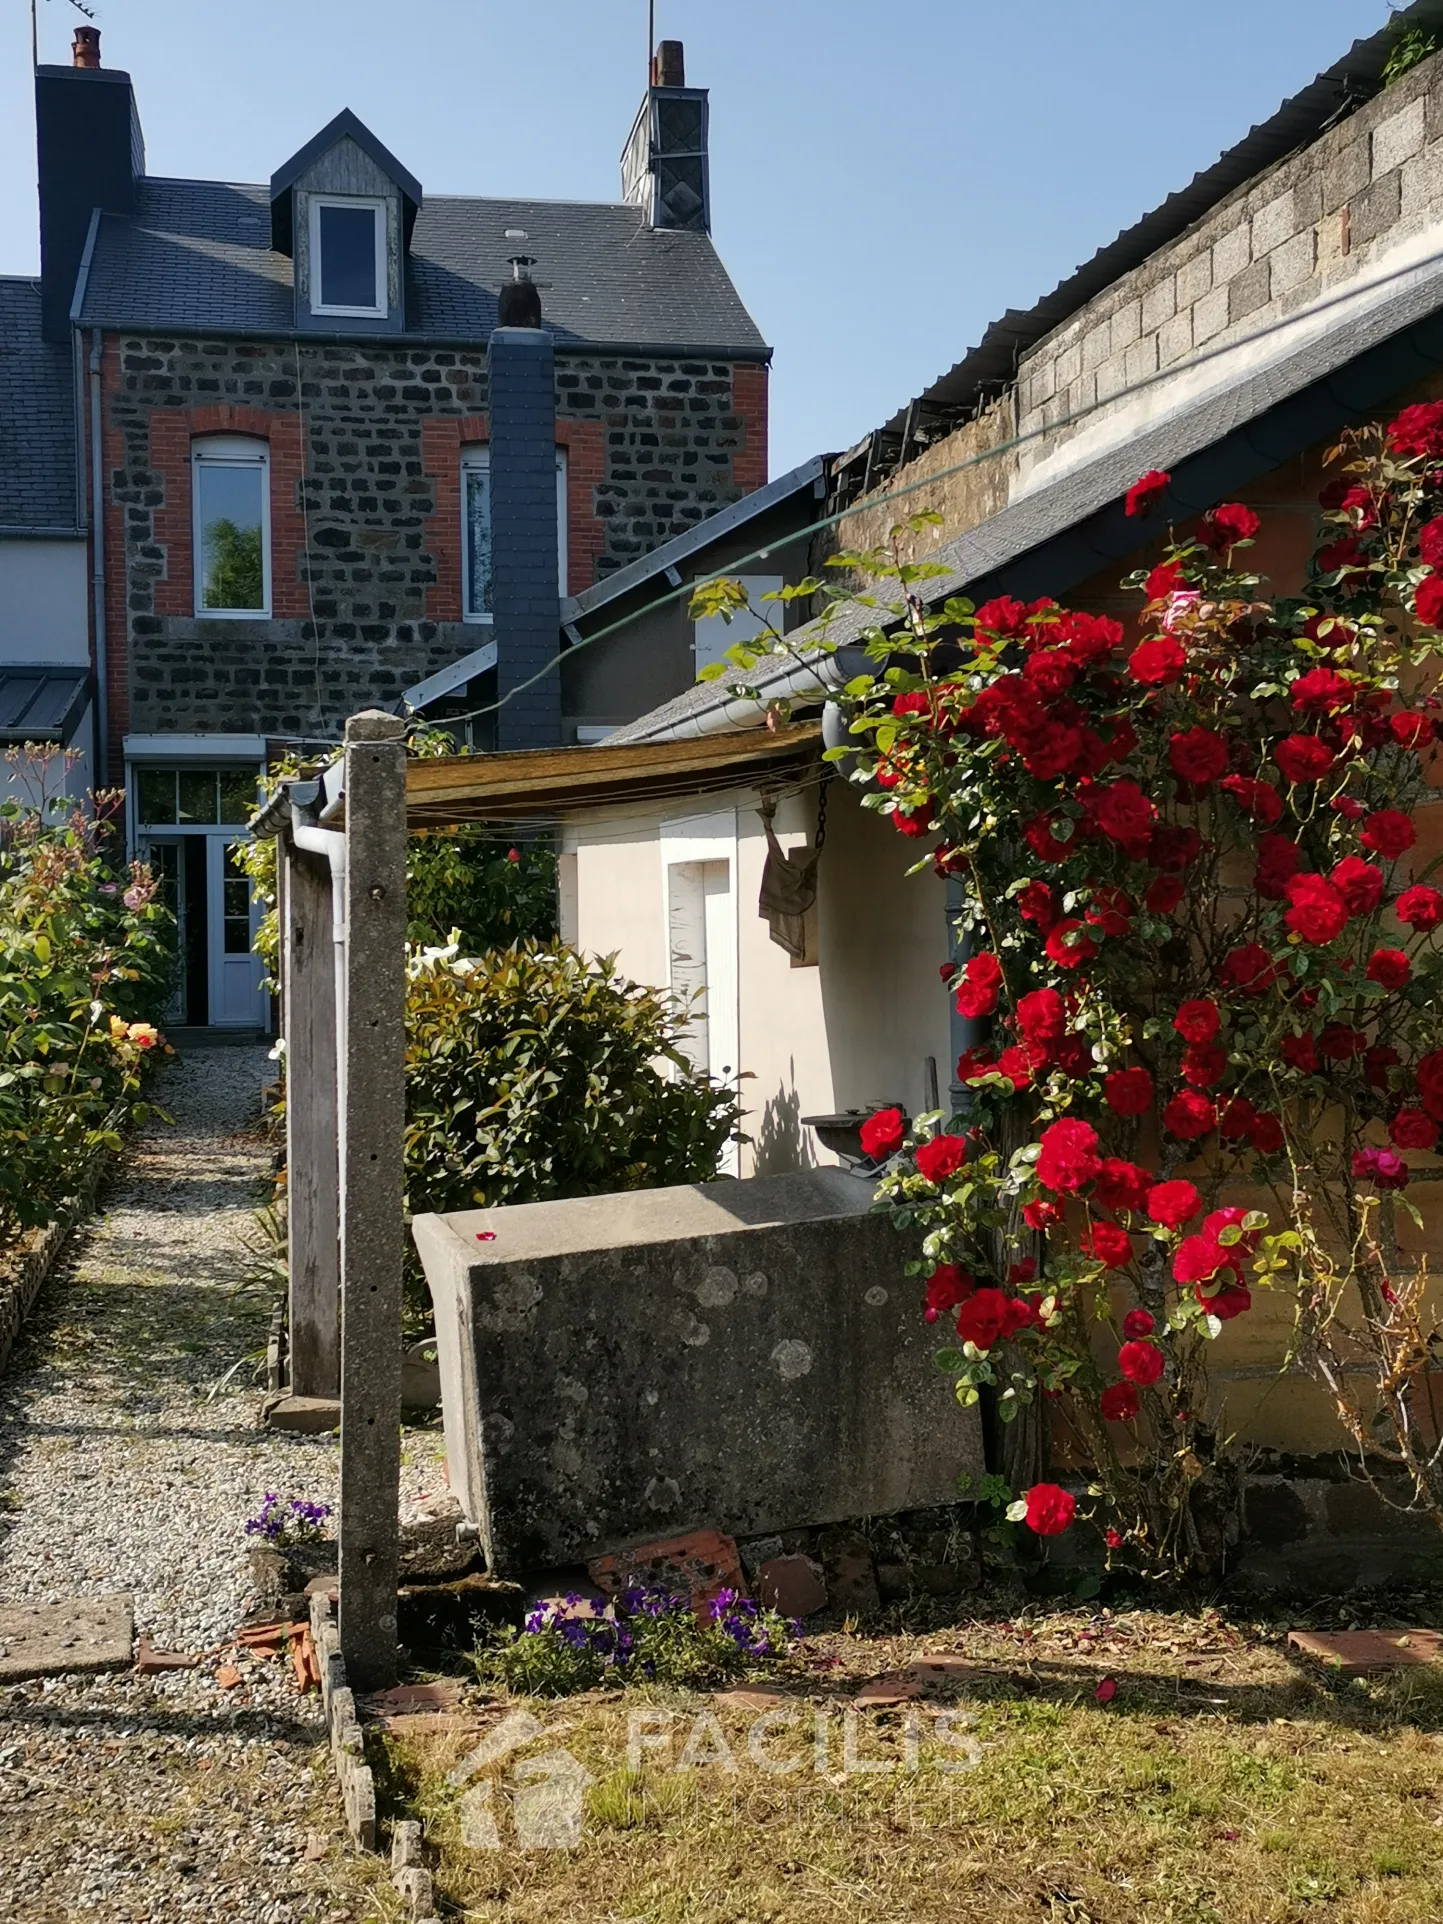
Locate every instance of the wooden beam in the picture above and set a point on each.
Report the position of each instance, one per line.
(312, 1167)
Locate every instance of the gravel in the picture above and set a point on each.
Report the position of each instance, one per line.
(131, 1455)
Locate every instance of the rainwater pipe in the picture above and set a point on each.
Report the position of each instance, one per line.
(97, 553)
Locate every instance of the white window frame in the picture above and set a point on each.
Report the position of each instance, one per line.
(378, 210)
(686, 845)
(229, 451)
(477, 458)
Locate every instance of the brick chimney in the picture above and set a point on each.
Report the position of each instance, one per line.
(665, 168)
(91, 154)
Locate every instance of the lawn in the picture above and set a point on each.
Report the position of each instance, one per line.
(1095, 1767)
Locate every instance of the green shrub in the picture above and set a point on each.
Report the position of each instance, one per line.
(534, 1073)
(86, 954)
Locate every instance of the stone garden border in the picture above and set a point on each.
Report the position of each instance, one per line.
(28, 1267)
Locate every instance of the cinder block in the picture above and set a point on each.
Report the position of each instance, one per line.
(1293, 263)
(1210, 316)
(1275, 223)
(1248, 291)
(1194, 279)
(1159, 304)
(1377, 208)
(1175, 339)
(1346, 175)
(1398, 138)
(1232, 252)
(1126, 325)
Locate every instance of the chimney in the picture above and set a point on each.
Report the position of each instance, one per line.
(525, 538)
(91, 154)
(664, 166)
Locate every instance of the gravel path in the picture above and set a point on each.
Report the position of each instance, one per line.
(129, 1461)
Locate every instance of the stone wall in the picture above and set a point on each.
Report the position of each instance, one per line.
(365, 510)
(1297, 232)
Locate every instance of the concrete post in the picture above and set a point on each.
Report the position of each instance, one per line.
(313, 1174)
(372, 1232)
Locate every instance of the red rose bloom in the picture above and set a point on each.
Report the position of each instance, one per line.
(1384, 1168)
(1016, 1065)
(1224, 1300)
(1413, 1129)
(1069, 945)
(1318, 913)
(1390, 967)
(1198, 756)
(1173, 1203)
(941, 1157)
(1163, 894)
(1223, 527)
(1108, 1244)
(1036, 904)
(1429, 1077)
(1428, 601)
(1323, 691)
(1278, 862)
(1041, 1214)
(1172, 849)
(1069, 1158)
(1408, 728)
(1235, 1123)
(1125, 815)
(1157, 663)
(1121, 1184)
(1136, 1323)
(1420, 907)
(1300, 1052)
(947, 1286)
(1042, 1020)
(1128, 1092)
(1359, 883)
(1165, 579)
(1110, 910)
(882, 1134)
(1389, 833)
(1119, 1402)
(984, 1318)
(1303, 758)
(974, 1063)
(1249, 969)
(1340, 1043)
(1197, 1022)
(1204, 1065)
(914, 821)
(1141, 1362)
(1256, 799)
(1050, 1510)
(1377, 1061)
(1417, 431)
(1266, 1135)
(1051, 838)
(1144, 495)
(916, 703)
(1430, 542)
(977, 991)
(1189, 1116)
(1004, 617)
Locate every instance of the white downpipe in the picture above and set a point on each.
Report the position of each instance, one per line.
(97, 563)
(331, 842)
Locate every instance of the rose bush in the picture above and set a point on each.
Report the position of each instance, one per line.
(1195, 912)
(86, 953)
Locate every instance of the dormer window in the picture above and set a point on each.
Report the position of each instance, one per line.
(348, 256)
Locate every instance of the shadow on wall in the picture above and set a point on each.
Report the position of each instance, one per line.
(781, 1143)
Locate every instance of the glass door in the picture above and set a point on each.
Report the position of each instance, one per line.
(236, 998)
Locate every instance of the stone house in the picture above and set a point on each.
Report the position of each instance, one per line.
(667, 869)
(322, 467)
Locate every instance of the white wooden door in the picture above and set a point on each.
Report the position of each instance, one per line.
(237, 1000)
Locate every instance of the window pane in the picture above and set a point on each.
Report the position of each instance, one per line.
(232, 558)
(157, 795)
(478, 540)
(348, 257)
(197, 794)
(238, 795)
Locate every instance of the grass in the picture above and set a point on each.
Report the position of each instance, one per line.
(1223, 1783)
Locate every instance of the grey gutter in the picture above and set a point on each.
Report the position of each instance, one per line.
(683, 546)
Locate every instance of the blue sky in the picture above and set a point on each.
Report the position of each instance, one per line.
(885, 179)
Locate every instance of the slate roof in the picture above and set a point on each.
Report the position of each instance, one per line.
(1377, 340)
(37, 417)
(197, 258)
(1331, 95)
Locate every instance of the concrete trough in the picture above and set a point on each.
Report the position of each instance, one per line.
(744, 1355)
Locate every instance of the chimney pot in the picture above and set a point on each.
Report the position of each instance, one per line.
(668, 66)
(85, 51)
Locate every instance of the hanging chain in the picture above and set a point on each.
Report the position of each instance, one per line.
(822, 811)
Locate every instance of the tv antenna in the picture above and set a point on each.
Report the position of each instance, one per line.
(79, 6)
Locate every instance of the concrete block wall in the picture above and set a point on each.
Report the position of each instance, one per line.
(1302, 229)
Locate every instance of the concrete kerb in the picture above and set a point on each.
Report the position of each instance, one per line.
(409, 1876)
(18, 1291)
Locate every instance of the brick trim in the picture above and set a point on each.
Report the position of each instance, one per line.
(172, 431)
(750, 391)
(443, 437)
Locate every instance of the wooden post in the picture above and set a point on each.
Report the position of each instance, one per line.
(313, 1224)
(372, 1188)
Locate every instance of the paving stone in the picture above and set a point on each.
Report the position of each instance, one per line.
(1356, 1652)
(750, 1697)
(883, 1693)
(78, 1635)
